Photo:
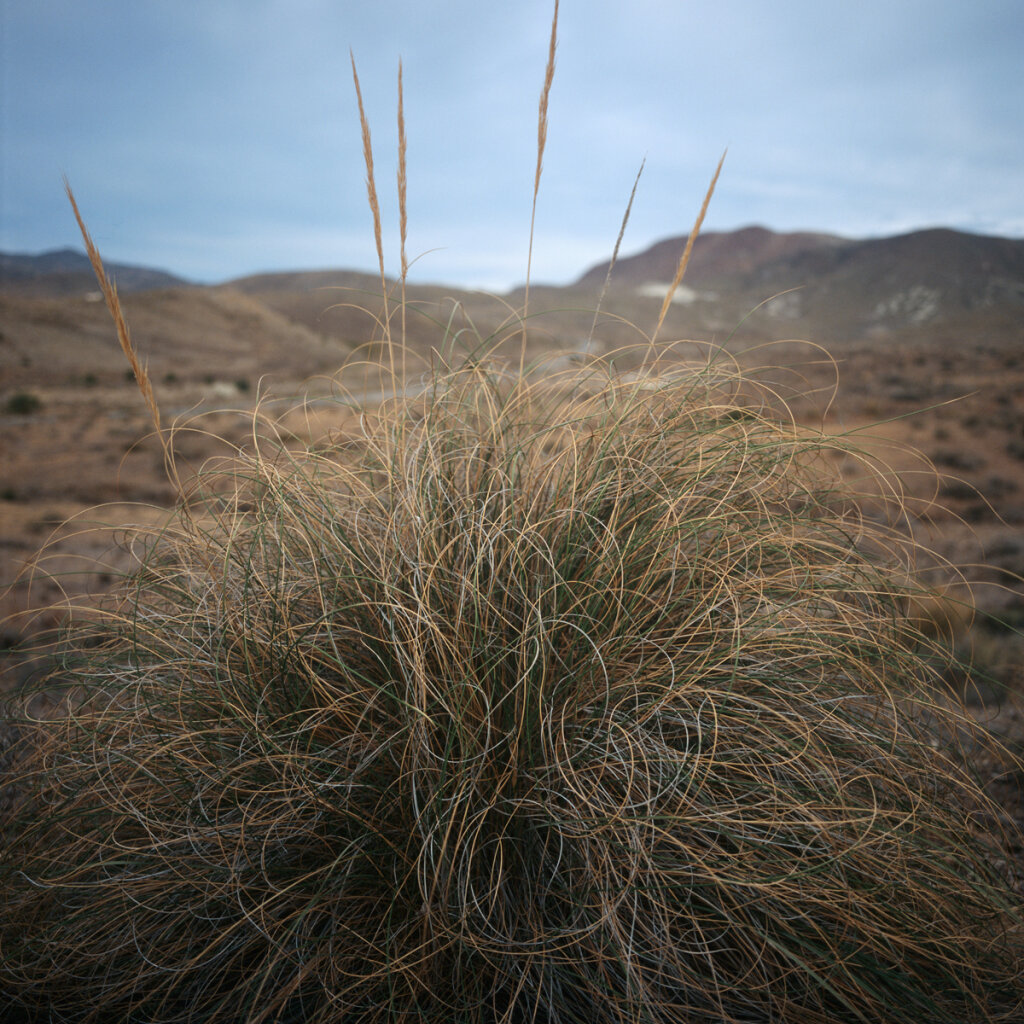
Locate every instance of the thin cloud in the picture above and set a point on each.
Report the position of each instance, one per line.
(210, 139)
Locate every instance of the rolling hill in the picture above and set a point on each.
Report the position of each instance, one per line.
(830, 286)
(68, 272)
(806, 284)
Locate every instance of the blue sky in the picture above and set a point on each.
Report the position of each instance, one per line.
(220, 138)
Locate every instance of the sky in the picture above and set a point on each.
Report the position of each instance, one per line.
(217, 138)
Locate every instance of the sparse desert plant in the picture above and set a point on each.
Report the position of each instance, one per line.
(21, 403)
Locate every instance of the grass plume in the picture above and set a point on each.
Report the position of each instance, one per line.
(684, 260)
(371, 195)
(615, 251)
(109, 290)
(138, 368)
(402, 198)
(542, 138)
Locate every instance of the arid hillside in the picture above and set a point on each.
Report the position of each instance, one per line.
(831, 288)
(68, 272)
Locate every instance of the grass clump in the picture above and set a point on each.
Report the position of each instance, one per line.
(22, 403)
(561, 699)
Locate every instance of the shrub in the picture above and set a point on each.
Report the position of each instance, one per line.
(22, 403)
(576, 699)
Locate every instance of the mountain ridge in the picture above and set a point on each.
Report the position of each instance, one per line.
(67, 271)
(860, 285)
(822, 284)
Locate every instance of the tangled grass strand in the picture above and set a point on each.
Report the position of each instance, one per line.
(582, 699)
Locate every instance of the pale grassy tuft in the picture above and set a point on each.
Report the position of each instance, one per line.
(583, 697)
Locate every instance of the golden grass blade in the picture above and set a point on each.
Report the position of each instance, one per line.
(114, 305)
(685, 259)
(402, 187)
(542, 138)
(615, 251)
(371, 193)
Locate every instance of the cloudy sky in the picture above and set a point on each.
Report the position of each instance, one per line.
(221, 137)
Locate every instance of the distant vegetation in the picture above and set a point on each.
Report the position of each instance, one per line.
(21, 403)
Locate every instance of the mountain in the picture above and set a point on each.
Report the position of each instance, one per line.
(716, 255)
(68, 272)
(855, 287)
(776, 284)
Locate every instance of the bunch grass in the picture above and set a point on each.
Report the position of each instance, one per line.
(554, 698)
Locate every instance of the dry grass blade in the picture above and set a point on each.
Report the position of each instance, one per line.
(542, 138)
(114, 306)
(371, 194)
(685, 258)
(615, 251)
(402, 190)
